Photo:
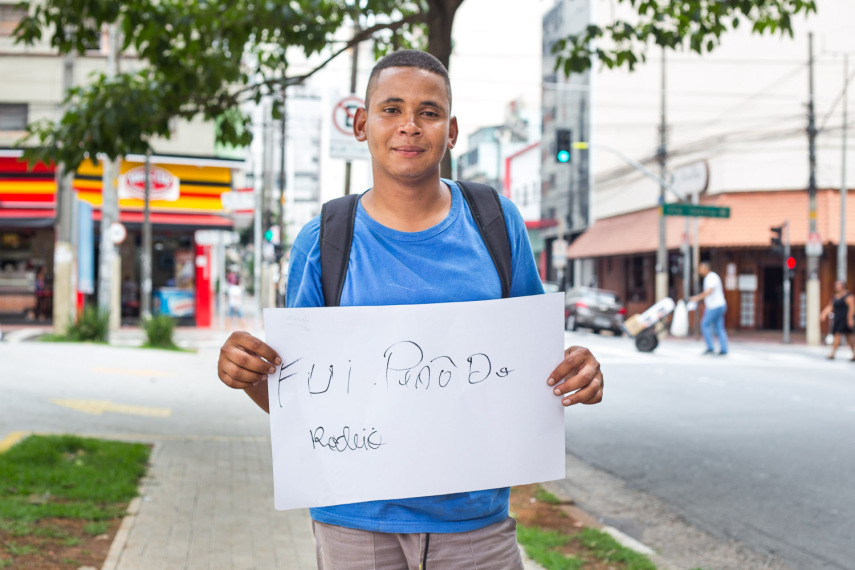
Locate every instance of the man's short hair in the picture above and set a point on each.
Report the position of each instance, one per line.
(409, 58)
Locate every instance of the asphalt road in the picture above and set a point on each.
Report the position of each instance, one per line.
(754, 447)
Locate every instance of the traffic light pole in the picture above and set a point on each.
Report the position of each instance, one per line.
(812, 307)
(787, 282)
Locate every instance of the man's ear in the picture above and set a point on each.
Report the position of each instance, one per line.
(359, 124)
(452, 132)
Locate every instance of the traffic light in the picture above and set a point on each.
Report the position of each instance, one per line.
(791, 268)
(563, 145)
(777, 241)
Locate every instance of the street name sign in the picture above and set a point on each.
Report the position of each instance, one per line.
(694, 210)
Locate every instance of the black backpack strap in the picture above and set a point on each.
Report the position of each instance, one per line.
(337, 219)
(486, 208)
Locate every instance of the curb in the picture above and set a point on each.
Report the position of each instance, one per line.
(114, 555)
(588, 520)
(121, 538)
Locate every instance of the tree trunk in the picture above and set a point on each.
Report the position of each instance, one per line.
(440, 19)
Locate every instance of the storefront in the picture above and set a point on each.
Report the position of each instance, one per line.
(623, 251)
(185, 197)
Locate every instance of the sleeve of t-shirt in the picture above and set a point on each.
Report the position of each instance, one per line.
(525, 280)
(304, 275)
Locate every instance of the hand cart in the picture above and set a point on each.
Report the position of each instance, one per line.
(645, 327)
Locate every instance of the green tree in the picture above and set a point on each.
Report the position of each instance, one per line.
(203, 58)
(696, 25)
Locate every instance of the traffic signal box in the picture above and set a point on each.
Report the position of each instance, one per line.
(563, 145)
(779, 247)
(777, 240)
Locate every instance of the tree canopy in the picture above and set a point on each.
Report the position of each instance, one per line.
(696, 25)
(208, 57)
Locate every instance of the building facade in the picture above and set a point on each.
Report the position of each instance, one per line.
(742, 111)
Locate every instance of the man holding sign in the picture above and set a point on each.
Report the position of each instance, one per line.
(414, 242)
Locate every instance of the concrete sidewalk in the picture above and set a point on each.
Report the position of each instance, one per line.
(209, 504)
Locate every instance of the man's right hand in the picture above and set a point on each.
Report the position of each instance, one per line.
(245, 361)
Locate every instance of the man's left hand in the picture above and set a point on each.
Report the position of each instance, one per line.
(578, 379)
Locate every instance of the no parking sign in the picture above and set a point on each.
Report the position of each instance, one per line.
(342, 142)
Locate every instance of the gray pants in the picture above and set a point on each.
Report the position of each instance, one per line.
(493, 547)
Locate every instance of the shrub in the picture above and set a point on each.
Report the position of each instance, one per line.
(158, 331)
(92, 325)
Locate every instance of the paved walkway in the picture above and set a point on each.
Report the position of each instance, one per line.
(209, 504)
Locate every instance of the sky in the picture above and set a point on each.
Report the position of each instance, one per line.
(496, 58)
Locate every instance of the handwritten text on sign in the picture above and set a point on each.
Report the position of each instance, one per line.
(405, 401)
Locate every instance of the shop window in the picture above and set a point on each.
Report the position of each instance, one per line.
(746, 309)
(10, 15)
(13, 116)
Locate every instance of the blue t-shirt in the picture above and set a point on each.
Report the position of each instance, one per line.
(445, 263)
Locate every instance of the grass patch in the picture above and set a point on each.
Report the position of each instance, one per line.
(606, 548)
(68, 476)
(95, 528)
(60, 492)
(546, 497)
(554, 538)
(543, 546)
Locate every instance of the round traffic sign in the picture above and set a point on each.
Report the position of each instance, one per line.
(118, 233)
(344, 112)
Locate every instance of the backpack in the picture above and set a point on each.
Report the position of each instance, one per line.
(338, 216)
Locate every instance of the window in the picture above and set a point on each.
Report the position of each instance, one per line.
(10, 15)
(746, 308)
(13, 116)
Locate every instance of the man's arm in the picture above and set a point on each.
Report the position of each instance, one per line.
(578, 379)
(700, 296)
(244, 364)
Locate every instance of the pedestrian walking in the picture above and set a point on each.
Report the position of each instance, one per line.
(715, 306)
(234, 294)
(414, 241)
(841, 310)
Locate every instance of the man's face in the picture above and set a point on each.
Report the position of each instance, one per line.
(703, 269)
(407, 124)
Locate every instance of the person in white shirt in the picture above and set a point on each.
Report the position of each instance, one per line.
(234, 292)
(715, 307)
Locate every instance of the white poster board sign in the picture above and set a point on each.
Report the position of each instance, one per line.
(405, 401)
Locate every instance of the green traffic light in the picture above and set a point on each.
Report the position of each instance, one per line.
(563, 156)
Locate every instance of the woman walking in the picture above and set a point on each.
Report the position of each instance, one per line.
(841, 309)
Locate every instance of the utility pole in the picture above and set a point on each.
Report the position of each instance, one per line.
(812, 305)
(354, 65)
(145, 289)
(108, 279)
(283, 129)
(63, 253)
(842, 246)
(662, 252)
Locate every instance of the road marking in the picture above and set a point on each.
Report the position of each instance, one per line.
(133, 372)
(12, 439)
(98, 407)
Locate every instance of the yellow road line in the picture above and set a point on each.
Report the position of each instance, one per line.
(98, 407)
(11, 439)
(133, 372)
